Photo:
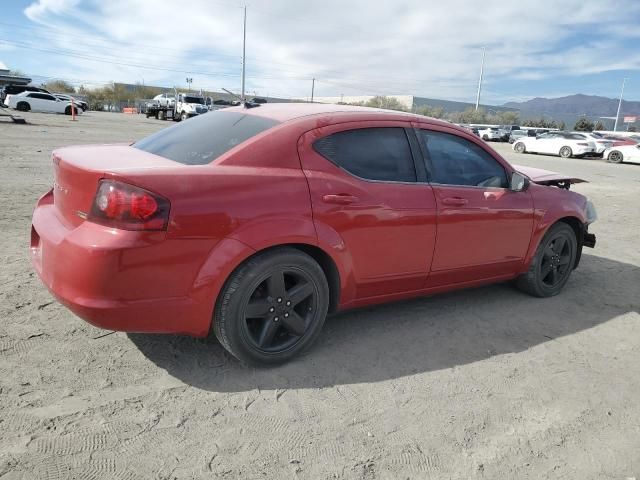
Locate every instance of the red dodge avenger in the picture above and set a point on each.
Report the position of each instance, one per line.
(253, 223)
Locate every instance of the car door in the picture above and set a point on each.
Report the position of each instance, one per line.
(545, 143)
(51, 103)
(43, 102)
(484, 228)
(365, 190)
(35, 102)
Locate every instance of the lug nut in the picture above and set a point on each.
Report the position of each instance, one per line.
(288, 303)
(279, 300)
(275, 319)
(286, 315)
(272, 310)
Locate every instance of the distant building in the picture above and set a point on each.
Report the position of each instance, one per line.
(7, 79)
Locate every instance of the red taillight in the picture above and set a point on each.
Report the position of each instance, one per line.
(124, 206)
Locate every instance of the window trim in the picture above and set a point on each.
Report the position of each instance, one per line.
(429, 166)
(420, 179)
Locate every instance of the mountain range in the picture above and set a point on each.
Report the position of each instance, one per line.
(579, 104)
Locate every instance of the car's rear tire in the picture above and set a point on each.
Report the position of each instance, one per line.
(23, 107)
(552, 264)
(615, 156)
(520, 147)
(485, 137)
(566, 152)
(272, 307)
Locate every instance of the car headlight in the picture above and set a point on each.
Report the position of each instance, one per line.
(590, 212)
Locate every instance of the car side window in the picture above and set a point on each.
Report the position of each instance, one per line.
(381, 154)
(41, 96)
(457, 161)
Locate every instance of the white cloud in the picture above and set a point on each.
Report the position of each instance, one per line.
(37, 10)
(425, 48)
(3, 66)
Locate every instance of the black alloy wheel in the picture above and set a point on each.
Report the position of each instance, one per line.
(272, 307)
(556, 260)
(280, 310)
(552, 264)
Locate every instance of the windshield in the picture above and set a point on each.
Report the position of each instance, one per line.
(204, 138)
(188, 99)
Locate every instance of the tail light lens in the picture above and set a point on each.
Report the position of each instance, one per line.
(124, 206)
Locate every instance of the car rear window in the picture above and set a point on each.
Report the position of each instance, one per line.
(381, 154)
(204, 138)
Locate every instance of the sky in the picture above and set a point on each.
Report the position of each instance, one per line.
(426, 48)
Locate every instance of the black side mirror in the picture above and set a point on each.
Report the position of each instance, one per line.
(519, 183)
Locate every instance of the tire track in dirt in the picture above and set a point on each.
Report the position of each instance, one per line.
(71, 444)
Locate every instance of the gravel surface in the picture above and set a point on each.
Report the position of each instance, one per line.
(484, 383)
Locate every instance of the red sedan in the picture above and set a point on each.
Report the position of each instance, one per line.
(253, 223)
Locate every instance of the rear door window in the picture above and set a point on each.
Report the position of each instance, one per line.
(381, 154)
(204, 138)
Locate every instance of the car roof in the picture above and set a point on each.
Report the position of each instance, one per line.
(285, 112)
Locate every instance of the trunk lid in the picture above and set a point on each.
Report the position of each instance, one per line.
(77, 171)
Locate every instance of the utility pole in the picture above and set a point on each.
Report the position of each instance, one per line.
(615, 126)
(480, 80)
(244, 51)
(189, 82)
(313, 86)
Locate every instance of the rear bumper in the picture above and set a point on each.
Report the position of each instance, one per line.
(117, 279)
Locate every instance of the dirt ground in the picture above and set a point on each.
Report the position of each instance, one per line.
(484, 383)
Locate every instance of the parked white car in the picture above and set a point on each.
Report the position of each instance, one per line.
(623, 153)
(565, 144)
(491, 134)
(39, 102)
(165, 100)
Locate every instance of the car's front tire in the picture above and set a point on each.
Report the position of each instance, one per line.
(184, 116)
(615, 156)
(552, 264)
(272, 307)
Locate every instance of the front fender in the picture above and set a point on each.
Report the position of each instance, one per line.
(552, 204)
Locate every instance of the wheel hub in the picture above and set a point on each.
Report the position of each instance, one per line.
(280, 308)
